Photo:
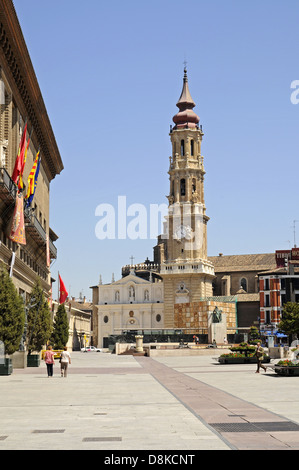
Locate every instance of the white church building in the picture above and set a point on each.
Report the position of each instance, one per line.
(131, 303)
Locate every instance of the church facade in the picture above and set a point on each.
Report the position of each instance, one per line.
(130, 303)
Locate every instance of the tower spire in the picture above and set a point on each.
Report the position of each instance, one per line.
(186, 117)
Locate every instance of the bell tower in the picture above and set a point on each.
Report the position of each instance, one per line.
(187, 273)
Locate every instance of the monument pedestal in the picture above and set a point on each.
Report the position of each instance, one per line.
(19, 360)
(217, 331)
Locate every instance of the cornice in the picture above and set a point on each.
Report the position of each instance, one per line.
(17, 66)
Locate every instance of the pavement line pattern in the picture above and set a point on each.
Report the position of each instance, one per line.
(48, 431)
(101, 439)
(242, 425)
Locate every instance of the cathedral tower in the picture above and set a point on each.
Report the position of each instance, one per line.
(186, 271)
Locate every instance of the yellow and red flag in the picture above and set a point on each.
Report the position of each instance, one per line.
(20, 157)
(21, 184)
(32, 179)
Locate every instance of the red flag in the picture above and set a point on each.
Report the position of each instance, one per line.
(21, 184)
(20, 158)
(62, 291)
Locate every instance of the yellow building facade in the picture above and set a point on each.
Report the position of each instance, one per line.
(22, 106)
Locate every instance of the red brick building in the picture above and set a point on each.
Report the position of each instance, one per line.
(278, 286)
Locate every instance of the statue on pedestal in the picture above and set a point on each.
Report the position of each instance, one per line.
(217, 315)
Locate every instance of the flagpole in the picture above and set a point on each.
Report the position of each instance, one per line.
(58, 289)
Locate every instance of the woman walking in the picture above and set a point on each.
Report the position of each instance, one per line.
(65, 360)
(49, 360)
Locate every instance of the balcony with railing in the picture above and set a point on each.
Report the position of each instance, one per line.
(37, 232)
(8, 194)
(8, 189)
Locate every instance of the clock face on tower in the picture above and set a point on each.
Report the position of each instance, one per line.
(183, 232)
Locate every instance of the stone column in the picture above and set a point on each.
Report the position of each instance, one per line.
(139, 343)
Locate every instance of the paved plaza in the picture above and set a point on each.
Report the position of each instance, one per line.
(129, 403)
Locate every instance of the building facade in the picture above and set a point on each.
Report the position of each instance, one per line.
(22, 107)
(277, 287)
(238, 276)
(79, 319)
(130, 303)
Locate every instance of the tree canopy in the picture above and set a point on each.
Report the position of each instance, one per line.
(60, 335)
(289, 323)
(12, 313)
(39, 324)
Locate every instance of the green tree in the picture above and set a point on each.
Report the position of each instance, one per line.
(289, 323)
(39, 323)
(60, 335)
(254, 335)
(12, 313)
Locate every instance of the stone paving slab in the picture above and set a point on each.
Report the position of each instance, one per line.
(111, 402)
(214, 406)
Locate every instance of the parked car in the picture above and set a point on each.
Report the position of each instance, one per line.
(57, 353)
(91, 349)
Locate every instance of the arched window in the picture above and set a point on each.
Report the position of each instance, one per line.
(243, 283)
(192, 147)
(193, 185)
(182, 148)
(183, 187)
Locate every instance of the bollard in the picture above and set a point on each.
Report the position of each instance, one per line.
(139, 343)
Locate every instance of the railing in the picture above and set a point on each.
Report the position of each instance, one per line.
(38, 227)
(7, 183)
(202, 266)
(10, 190)
(53, 249)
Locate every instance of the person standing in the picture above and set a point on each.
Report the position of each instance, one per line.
(49, 360)
(259, 353)
(65, 360)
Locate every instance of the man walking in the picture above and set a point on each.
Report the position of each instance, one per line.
(259, 353)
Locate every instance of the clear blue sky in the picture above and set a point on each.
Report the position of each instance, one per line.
(111, 74)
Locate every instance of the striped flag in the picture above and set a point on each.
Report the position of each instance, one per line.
(32, 179)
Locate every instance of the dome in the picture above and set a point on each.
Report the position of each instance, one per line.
(186, 117)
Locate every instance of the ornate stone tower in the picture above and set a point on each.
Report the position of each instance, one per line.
(186, 271)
